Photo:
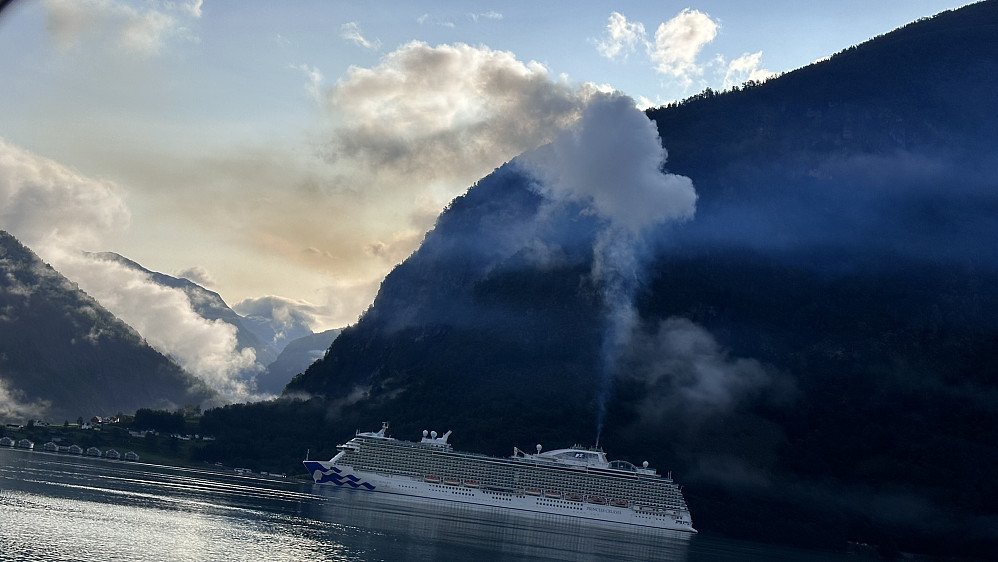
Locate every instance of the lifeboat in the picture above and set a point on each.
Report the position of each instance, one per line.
(451, 481)
(618, 503)
(532, 491)
(471, 483)
(432, 479)
(597, 500)
(573, 497)
(552, 494)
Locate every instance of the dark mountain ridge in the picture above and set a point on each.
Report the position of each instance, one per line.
(65, 356)
(817, 352)
(296, 356)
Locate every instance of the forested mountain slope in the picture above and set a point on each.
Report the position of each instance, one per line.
(816, 351)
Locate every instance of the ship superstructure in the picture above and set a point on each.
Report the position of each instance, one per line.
(576, 481)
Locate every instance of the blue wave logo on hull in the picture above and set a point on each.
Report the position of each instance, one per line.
(335, 476)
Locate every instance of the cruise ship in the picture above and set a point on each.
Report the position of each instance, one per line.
(576, 482)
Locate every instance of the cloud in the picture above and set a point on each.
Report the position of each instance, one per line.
(114, 26)
(45, 203)
(190, 7)
(685, 370)
(289, 318)
(435, 119)
(351, 32)
(198, 275)
(744, 69)
(13, 408)
(675, 48)
(489, 15)
(622, 37)
(314, 84)
(56, 211)
(678, 41)
(433, 20)
(611, 161)
(164, 316)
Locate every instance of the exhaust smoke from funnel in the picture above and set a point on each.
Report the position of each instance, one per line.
(611, 163)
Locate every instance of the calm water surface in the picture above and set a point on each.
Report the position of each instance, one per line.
(59, 507)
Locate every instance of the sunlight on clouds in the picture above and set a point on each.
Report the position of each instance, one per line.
(402, 139)
(623, 37)
(197, 274)
(43, 202)
(744, 69)
(165, 318)
(678, 41)
(55, 211)
(447, 112)
(675, 49)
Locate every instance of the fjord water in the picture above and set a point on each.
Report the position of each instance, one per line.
(59, 507)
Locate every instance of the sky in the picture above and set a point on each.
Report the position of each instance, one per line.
(294, 152)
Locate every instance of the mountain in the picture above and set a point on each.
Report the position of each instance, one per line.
(275, 321)
(63, 356)
(815, 354)
(208, 304)
(296, 356)
(276, 329)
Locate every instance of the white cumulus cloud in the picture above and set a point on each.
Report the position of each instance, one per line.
(622, 37)
(45, 203)
(435, 119)
(678, 41)
(744, 69)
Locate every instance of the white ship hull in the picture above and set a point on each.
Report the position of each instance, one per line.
(335, 474)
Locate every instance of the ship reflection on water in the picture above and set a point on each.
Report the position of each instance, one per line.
(421, 529)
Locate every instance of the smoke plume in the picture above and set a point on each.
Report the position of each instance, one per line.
(611, 163)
